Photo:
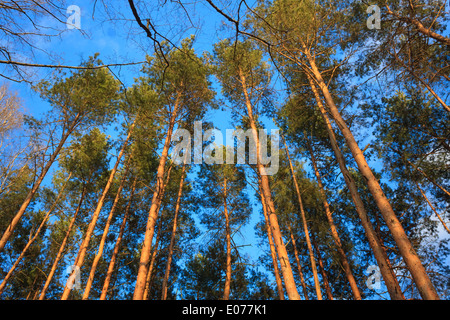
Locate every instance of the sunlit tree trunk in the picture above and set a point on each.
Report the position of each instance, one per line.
(334, 232)
(85, 244)
(285, 265)
(101, 246)
(305, 227)
(148, 279)
(32, 239)
(272, 247)
(62, 246)
(172, 238)
(10, 229)
(112, 262)
(299, 265)
(387, 273)
(153, 213)
(405, 247)
(226, 291)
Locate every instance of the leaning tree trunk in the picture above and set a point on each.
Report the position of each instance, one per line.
(153, 213)
(334, 232)
(305, 227)
(299, 265)
(407, 251)
(85, 244)
(101, 246)
(10, 229)
(271, 245)
(62, 246)
(432, 207)
(31, 240)
(172, 238)
(286, 270)
(388, 275)
(112, 263)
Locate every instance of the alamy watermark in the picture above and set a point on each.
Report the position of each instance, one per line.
(74, 281)
(74, 20)
(374, 21)
(373, 281)
(213, 153)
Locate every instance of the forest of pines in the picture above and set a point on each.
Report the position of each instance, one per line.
(225, 150)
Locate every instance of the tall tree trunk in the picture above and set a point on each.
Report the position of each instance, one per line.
(420, 27)
(432, 207)
(334, 232)
(31, 240)
(326, 283)
(148, 277)
(417, 270)
(305, 227)
(429, 178)
(85, 244)
(271, 245)
(158, 236)
(285, 265)
(388, 275)
(112, 263)
(226, 291)
(299, 265)
(10, 229)
(101, 246)
(153, 213)
(62, 246)
(172, 238)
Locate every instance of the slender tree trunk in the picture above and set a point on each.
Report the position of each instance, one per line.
(155, 249)
(153, 213)
(112, 263)
(420, 27)
(432, 207)
(305, 227)
(429, 178)
(285, 265)
(387, 273)
(62, 246)
(334, 232)
(172, 238)
(424, 83)
(31, 240)
(85, 244)
(417, 270)
(299, 265)
(148, 279)
(10, 229)
(326, 284)
(226, 291)
(272, 247)
(101, 246)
